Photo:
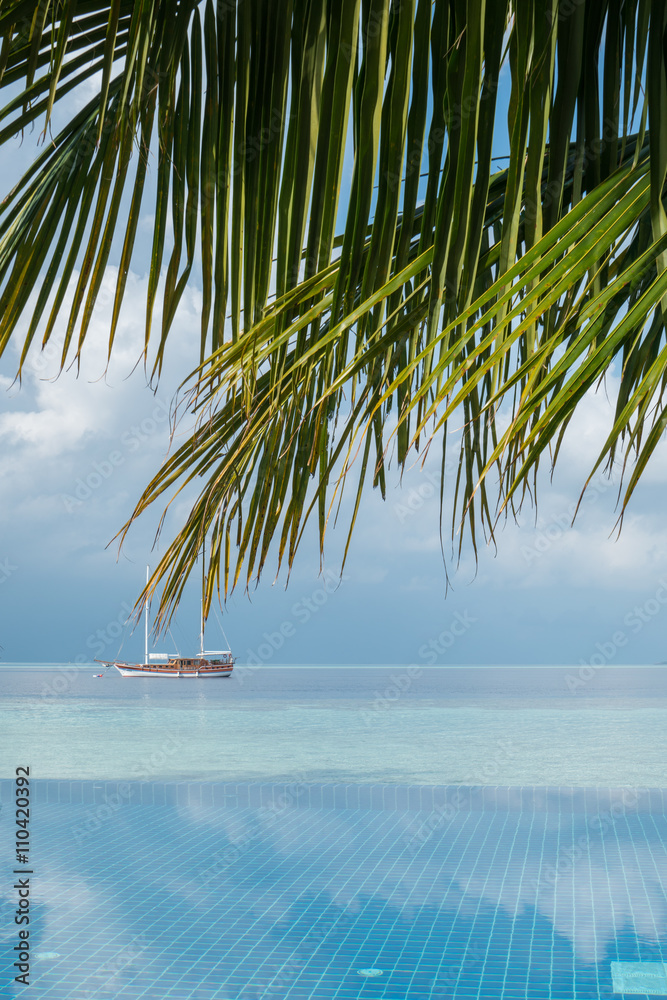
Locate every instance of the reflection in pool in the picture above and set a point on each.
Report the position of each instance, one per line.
(212, 891)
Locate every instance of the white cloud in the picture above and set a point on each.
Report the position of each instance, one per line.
(75, 454)
(77, 451)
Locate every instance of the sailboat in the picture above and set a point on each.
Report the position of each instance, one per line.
(206, 663)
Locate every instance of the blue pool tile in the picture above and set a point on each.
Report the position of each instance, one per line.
(352, 796)
(257, 891)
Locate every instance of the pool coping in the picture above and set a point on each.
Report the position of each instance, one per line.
(566, 799)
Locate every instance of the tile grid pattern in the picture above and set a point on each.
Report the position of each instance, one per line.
(563, 800)
(237, 892)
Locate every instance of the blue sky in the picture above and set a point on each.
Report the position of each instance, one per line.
(76, 452)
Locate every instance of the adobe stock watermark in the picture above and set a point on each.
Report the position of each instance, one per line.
(458, 627)
(95, 817)
(302, 610)
(97, 642)
(417, 496)
(482, 773)
(370, 29)
(37, 364)
(267, 815)
(150, 766)
(7, 569)
(401, 682)
(131, 441)
(557, 526)
(635, 621)
(251, 148)
(551, 192)
(276, 979)
(108, 975)
(456, 116)
(569, 854)
(565, 9)
(244, 153)
(449, 976)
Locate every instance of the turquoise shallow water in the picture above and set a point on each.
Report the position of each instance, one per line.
(444, 727)
(406, 746)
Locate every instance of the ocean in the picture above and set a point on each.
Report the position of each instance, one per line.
(579, 726)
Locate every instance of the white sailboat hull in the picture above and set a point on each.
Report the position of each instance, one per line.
(138, 670)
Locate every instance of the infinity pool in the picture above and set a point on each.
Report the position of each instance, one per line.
(212, 891)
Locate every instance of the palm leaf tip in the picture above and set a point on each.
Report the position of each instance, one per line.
(463, 293)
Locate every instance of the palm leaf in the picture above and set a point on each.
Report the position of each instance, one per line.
(449, 289)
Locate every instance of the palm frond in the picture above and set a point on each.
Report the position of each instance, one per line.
(451, 287)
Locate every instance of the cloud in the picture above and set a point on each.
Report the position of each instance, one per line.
(76, 452)
(76, 449)
(567, 885)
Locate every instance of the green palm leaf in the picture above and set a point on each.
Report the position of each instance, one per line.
(452, 287)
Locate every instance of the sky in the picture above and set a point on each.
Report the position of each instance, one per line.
(76, 452)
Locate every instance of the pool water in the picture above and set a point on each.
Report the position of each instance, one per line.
(216, 891)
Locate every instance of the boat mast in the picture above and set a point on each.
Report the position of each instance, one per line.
(203, 570)
(146, 621)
